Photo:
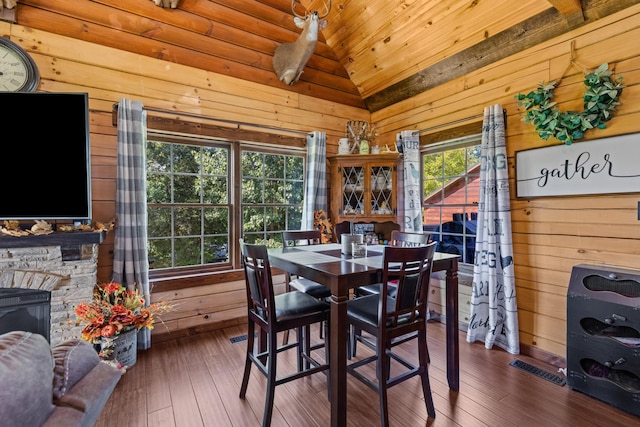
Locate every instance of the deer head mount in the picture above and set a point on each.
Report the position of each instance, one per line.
(167, 3)
(9, 4)
(289, 59)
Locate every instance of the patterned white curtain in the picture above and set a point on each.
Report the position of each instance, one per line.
(494, 312)
(130, 260)
(411, 209)
(315, 190)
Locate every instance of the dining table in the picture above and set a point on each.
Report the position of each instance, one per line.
(327, 265)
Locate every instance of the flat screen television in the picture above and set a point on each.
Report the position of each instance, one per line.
(46, 162)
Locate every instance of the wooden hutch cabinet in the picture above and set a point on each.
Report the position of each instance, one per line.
(364, 187)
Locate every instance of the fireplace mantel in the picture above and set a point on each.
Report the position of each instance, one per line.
(64, 264)
(70, 243)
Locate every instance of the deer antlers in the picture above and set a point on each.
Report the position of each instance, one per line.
(293, 9)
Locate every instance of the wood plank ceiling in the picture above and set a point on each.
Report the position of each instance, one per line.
(372, 53)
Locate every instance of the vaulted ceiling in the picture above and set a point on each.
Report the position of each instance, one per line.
(371, 54)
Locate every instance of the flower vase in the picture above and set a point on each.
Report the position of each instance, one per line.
(364, 147)
(347, 240)
(125, 348)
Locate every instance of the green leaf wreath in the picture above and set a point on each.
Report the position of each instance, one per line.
(600, 100)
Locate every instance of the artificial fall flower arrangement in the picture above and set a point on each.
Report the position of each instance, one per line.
(115, 310)
(322, 222)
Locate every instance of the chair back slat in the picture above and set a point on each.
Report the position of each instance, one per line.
(259, 283)
(410, 267)
(404, 239)
(303, 237)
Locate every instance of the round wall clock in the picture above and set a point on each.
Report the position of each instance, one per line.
(18, 71)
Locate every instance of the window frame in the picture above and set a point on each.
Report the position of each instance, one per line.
(467, 208)
(236, 147)
(202, 142)
(284, 204)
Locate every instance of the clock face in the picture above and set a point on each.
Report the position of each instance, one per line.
(18, 71)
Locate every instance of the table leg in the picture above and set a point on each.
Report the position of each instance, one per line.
(453, 351)
(338, 360)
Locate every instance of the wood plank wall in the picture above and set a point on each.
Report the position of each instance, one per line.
(550, 235)
(107, 75)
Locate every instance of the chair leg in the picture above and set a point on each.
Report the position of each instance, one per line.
(247, 363)
(428, 398)
(423, 360)
(382, 369)
(327, 355)
(354, 333)
(285, 338)
(287, 288)
(271, 380)
(302, 336)
(307, 345)
(388, 363)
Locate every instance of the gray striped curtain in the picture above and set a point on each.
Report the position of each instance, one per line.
(315, 190)
(494, 312)
(130, 260)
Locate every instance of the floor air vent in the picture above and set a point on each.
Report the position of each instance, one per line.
(238, 339)
(549, 376)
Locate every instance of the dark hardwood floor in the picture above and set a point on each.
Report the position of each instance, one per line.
(195, 381)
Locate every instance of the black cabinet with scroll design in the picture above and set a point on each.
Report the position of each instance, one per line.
(603, 334)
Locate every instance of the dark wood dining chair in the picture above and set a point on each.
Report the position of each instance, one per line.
(393, 321)
(305, 237)
(292, 238)
(402, 239)
(272, 314)
(407, 238)
(398, 238)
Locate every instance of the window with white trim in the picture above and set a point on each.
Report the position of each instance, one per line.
(272, 195)
(451, 187)
(188, 208)
(190, 200)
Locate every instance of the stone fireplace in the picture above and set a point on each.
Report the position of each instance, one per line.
(64, 264)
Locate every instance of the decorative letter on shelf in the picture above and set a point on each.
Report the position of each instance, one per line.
(599, 166)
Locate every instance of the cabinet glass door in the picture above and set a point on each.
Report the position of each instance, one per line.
(381, 190)
(353, 190)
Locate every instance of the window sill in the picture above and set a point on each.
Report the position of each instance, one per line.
(177, 282)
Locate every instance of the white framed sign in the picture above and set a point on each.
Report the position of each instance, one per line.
(609, 165)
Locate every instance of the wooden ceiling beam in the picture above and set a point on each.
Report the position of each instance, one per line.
(567, 7)
(538, 29)
(571, 9)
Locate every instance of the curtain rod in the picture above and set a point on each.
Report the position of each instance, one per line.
(114, 113)
(504, 113)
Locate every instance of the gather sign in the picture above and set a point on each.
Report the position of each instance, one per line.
(609, 165)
